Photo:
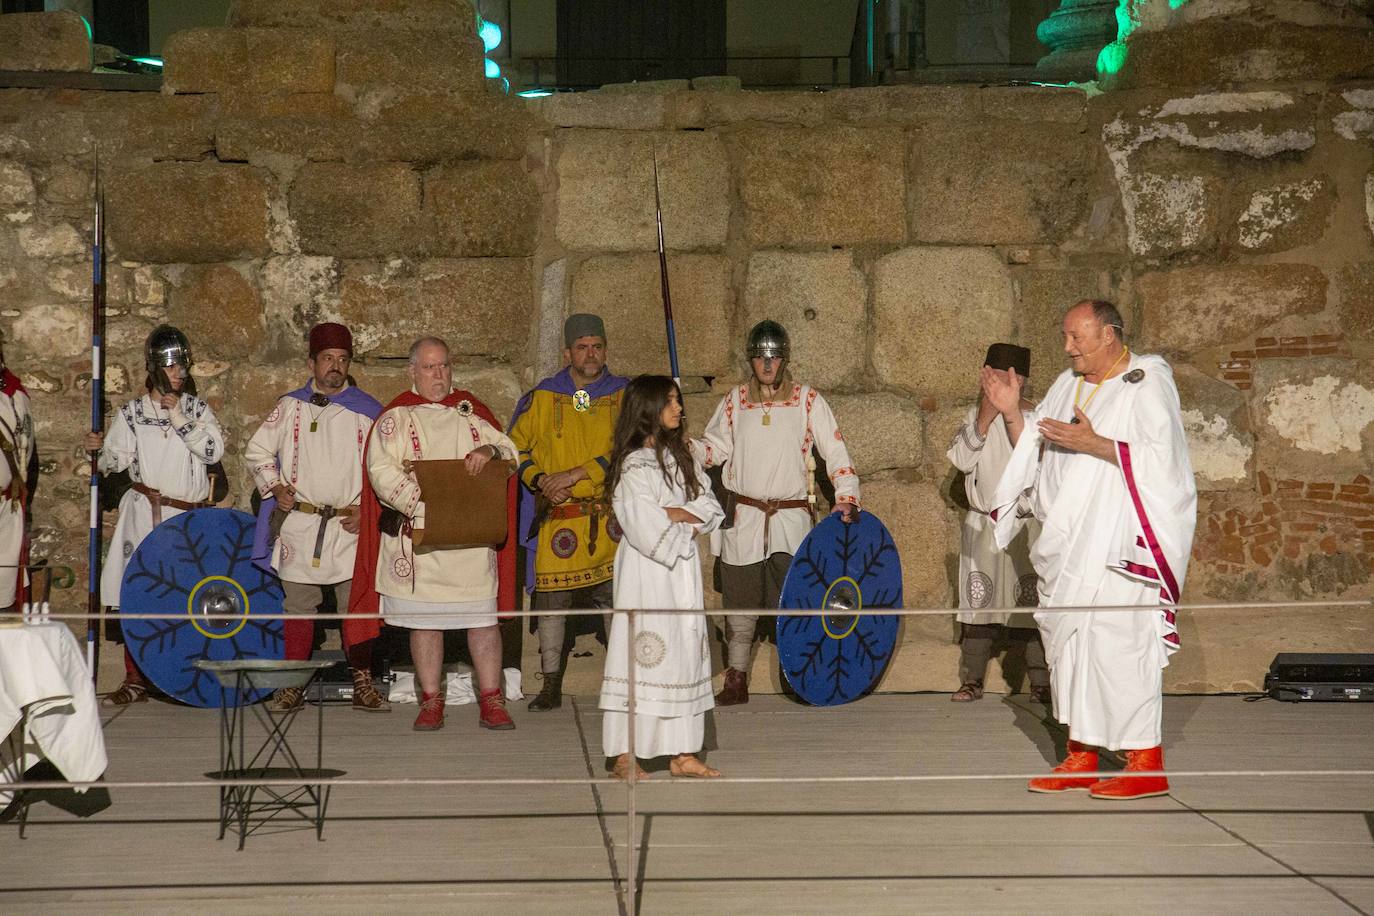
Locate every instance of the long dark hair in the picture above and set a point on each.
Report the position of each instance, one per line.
(641, 410)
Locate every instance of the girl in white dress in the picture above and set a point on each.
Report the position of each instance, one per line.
(662, 501)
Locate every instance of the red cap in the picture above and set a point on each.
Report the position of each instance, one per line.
(330, 336)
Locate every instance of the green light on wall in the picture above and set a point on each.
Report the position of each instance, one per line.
(490, 34)
(491, 67)
(90, 33)
(1113, 57)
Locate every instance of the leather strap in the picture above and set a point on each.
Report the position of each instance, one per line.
(325, 513)
(158, 500)
(769, 508)
(576, 508)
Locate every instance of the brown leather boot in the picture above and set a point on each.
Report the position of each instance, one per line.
(550, 695)
(286, 699)
(366, 697)
(736, 689)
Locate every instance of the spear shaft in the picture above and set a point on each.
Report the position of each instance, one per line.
(93, 605)
(663, 282)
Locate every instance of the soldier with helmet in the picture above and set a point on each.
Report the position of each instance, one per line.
(167, 439)
(761, 436)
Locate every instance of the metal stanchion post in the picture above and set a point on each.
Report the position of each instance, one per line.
(631, 776)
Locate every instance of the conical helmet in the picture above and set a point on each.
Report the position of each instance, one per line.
(166, 346)
(768, 338)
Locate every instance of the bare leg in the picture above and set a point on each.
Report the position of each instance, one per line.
(484, 645)
(427, 651)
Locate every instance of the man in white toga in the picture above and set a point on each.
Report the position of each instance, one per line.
(1104, 466)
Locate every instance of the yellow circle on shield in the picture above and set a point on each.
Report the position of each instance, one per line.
(217, 601)
(843, 595)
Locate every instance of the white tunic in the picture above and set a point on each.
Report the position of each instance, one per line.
(428, 431)
(326, 468)
(16, 425)
(1111, 535)
(656, 566)
(167, 451)
(990, 577)
(770, 462)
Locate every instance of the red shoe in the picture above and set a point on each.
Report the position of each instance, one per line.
(493, 710)
(431, 717)
(1081, 759)
(1120, 788)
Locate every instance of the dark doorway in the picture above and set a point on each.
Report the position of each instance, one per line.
(618, 41)
(122, 24)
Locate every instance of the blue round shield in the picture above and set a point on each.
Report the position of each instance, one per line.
(197, 565)
(849, 569)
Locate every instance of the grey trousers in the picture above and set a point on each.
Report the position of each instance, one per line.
(757, 585)
(305, 598)
(553, 629)
(975, 650)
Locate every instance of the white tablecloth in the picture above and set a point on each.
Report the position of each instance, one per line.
(43, 673)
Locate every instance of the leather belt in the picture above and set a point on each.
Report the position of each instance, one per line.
(158, 501)
(325, 513)
(769, 508)
(576, 508)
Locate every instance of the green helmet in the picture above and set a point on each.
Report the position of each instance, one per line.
(768, 338)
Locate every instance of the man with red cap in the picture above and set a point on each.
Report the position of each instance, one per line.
(306, 461)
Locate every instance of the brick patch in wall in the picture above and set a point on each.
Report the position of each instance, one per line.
(1294, 518)
(1236, 370)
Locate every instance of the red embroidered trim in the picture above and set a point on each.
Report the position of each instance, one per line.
(792, 401)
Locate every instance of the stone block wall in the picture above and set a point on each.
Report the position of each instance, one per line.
(898, 231)
(345, 160)
(308, 161)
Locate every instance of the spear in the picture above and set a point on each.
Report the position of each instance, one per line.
(663, 282)
(93, 606)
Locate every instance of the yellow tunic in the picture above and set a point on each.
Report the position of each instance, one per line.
(552, 437)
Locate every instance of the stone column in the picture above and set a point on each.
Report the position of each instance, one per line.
(1075, 33)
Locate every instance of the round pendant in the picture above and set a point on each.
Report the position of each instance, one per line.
(582, 401)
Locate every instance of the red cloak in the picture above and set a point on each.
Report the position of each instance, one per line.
(364, 598)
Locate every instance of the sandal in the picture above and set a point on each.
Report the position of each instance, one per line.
(970, 691)
(127, 692)
(621, 770)
(691, 766)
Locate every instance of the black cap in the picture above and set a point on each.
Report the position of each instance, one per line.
(1009, 356)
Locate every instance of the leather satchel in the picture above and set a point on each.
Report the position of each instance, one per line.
(461, 510)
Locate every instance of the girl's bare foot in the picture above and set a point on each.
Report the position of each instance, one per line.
(621, 770)
(690, 765)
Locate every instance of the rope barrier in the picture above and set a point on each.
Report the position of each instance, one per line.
(420, 781)
(1366, 603)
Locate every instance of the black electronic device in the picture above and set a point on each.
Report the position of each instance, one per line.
(1329, 676)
